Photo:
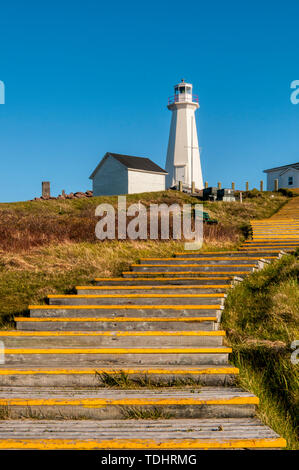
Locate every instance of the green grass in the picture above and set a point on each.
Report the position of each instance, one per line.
(261, 318)
(140, 412)
(256, 205)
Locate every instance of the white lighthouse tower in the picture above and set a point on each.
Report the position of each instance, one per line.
(183, 159)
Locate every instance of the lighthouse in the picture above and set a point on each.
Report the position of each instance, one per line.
(183, 157)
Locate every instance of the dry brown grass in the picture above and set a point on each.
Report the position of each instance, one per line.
(28, 225)
(23, 233)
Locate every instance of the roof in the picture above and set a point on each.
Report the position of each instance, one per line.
(284, 167)
(132, 163)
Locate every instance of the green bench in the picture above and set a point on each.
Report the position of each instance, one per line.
(206, 218)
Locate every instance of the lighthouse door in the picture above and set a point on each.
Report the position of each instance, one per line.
(180, 174)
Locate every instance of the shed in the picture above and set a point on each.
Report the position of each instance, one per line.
(287, 176)
(125, 174)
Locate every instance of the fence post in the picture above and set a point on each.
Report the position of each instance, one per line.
(180, 186)
(219, 185)
(233, 186)
(276, 185)
(261, 185)
(247, 186)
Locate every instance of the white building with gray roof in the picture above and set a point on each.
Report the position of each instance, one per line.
(125, 174)
(287, 176)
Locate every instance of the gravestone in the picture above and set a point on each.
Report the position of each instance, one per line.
(46, 189)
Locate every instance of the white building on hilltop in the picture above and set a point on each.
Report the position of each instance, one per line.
(183, 158)
(126, 174)
(287, 176)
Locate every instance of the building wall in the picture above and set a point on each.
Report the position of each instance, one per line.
(282, 179)
(273, 175)
(141, 182)
(111, 179)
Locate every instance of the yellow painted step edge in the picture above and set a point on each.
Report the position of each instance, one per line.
(192, 265)
(216, 258)
(165, 371)
(118, 350)
(95, 402)
(115, 320)
(111, 333)
(122, 307)
(121, 279)
(141, 273)
(204, 286)
(141, 444)
(132, 296)
(210, 253)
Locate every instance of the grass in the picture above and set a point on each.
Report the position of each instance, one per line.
(261, 318)
(30, 224)
(256, 205)
(140, 412)
(5, 412)
(122, 380)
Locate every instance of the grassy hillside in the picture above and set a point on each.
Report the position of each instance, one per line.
(49, 246)
(25, 225)
(261, 318)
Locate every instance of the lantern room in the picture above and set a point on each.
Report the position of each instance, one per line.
(183, 93)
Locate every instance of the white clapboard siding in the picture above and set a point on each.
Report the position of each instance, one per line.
(144, 181)
(110, 179)
(282, 174)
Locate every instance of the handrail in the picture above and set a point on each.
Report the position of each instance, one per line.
(176, 98)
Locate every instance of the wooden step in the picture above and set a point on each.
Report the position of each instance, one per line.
(164, 281)
(118, 357)
(104, 403)
(151, 299)
(187, 274)
(76, 376)
(114, 311)
(196, 267)
(204, 261)
(233, 254)
(186, 289)
(221, 433)
(145, 323)
(110, 338)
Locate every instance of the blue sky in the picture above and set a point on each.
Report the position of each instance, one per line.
(83, 78)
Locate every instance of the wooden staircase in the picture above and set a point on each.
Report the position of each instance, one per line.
(158, 327)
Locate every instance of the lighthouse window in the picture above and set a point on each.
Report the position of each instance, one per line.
(189, 90)
(182, 89)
